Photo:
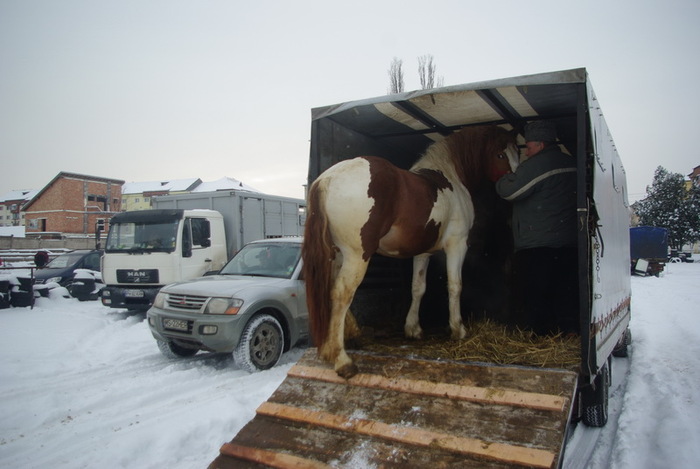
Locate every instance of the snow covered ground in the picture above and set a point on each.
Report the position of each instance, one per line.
(85, 386)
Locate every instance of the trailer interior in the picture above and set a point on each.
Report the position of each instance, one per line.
(399, 127)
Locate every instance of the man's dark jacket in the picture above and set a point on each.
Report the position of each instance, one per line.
(543, 193)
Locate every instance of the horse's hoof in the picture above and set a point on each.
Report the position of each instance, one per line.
(413, 333)
(347, 371)
(459, 334)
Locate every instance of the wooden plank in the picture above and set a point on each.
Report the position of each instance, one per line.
(343, 449)
(546, 381)
(270, 458)
(523, 456)
(404, 413)
(451, 391)
(491, 422)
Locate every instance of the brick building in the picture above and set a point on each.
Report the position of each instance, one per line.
(695, 176)
(72, 204)
(11, 205)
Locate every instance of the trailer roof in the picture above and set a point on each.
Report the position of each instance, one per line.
(409, 122)
(451, 107)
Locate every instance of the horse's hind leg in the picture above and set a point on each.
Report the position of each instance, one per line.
(346, 282)
(352, 329)
(412, 327)
(455, 258)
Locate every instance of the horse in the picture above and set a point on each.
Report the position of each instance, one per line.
(366, 205)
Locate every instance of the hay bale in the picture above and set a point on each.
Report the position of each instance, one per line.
(488, 342)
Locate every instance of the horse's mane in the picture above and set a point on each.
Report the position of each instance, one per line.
(463, 154)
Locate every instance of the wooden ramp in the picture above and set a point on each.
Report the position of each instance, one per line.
(402, 413)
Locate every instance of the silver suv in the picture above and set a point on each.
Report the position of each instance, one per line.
(255, 307)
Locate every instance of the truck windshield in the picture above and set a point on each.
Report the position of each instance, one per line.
(142, 237)
(265, 260)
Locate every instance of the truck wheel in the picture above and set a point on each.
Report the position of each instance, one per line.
(261, 344)
(621, 349)
(173, 351)
(595, 399)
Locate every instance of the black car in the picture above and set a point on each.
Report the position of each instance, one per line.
(62, 271)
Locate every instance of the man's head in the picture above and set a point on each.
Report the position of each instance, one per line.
(538, 135)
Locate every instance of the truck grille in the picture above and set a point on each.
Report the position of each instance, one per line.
(186, 302)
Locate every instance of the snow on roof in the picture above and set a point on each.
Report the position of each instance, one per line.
(18, 194)
(175, 185)
(223, 184)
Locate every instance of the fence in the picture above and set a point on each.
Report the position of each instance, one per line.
(12, 242)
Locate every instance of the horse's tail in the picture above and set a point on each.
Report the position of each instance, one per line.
(318, 253)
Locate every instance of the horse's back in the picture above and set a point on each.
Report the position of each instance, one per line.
(373, 206)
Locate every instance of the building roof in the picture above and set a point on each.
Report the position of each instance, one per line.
(224, 184)
(18, 194)
(174, 185)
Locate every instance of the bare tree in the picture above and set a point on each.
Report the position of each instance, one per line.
(396, 83)
(426, 73)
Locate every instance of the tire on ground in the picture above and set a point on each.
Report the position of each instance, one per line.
(622, 348)
(594, 399)
(171, 350)
(261, 344)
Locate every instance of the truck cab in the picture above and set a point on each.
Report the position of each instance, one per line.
(148, 249)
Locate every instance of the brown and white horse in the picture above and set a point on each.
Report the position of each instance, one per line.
(366, 205)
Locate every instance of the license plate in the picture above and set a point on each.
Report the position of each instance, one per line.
(175, 324)
(134, 293)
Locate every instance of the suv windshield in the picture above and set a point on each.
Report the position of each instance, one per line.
(142, 236)
(264, 259)
(64, 260)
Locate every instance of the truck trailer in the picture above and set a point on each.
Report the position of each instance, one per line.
(648, 250)
(403, 410)
(186, 236)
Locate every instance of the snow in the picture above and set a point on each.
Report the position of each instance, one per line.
(224, 183)
(172, 185)
(658, 425)
(85, 386)
(15, 231)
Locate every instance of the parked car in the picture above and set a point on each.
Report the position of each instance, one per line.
(254, 308)
(78, 271)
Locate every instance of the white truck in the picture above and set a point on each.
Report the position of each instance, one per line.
(186, 236)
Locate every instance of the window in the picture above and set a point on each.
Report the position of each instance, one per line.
(99, 201)
(92, 261)
(196, 233)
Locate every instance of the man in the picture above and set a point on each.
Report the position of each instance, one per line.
(543, 193)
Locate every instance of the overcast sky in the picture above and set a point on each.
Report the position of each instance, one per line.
(154, 90)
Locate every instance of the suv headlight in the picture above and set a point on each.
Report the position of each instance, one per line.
(159, 300)
(54, 280)
(223, 306)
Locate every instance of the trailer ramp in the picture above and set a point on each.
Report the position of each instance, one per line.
(403, 412)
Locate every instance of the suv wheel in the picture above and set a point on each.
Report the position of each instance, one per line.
(261, 344)
(172, 350)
